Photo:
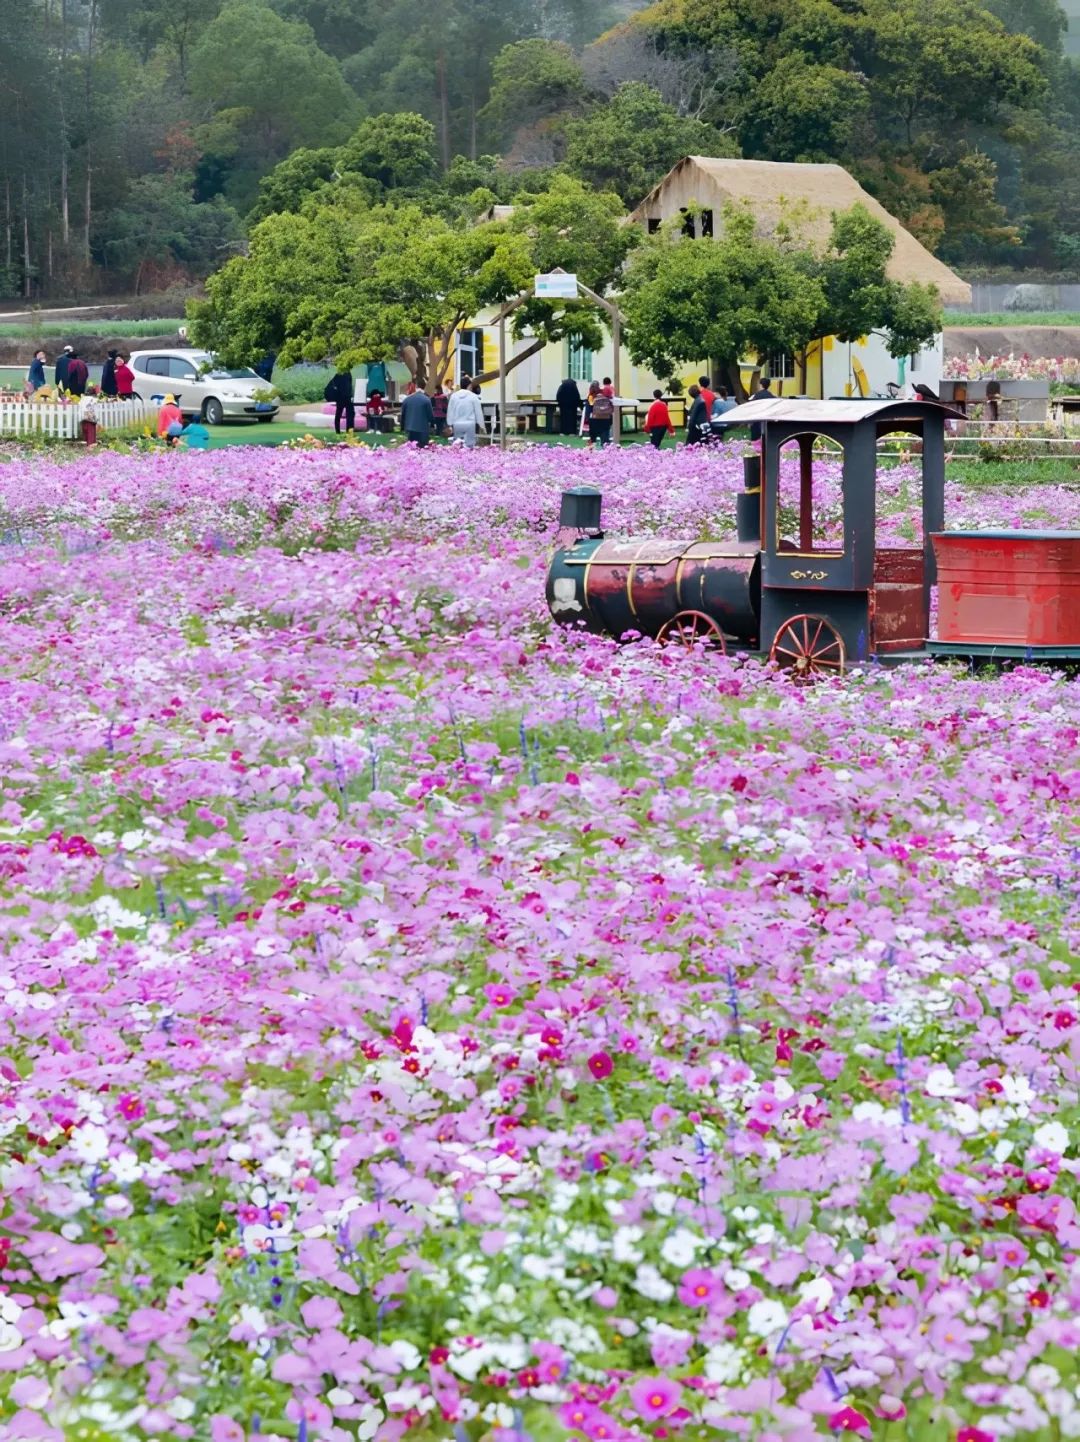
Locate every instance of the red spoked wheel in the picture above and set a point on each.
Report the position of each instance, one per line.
(809, 646)
(690, 629)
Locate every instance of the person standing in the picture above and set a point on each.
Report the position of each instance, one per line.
(108, 377)
(708, 395)
(440, 402)
(763, 393)
(60, 371)
(720, 407)
(125, 378)
(35, 376)
(697, 420)
(339, 390)
(417, 417)
(599, 413)
(465, 415)
(658, 420)
(77, 374)
(568, 400)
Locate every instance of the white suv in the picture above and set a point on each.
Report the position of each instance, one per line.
(201, 387)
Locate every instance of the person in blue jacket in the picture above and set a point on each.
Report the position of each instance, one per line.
(35, 376)
(60, 372)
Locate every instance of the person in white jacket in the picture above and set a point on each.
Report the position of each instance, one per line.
(465, 414)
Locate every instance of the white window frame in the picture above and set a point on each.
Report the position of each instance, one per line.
(578, 358)
(781, 366)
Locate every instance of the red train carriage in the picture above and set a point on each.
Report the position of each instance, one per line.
(812, 604)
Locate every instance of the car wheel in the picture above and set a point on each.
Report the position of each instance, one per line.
(213, 412)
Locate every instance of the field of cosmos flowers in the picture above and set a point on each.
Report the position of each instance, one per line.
(420, 1022)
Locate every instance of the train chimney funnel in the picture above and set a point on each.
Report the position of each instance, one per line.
(580, 509)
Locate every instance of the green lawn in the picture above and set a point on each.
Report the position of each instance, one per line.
(88, 325)
(1001, 320)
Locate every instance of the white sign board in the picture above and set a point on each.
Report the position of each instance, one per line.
(556, 286)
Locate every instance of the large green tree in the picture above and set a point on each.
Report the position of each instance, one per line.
(363, 283)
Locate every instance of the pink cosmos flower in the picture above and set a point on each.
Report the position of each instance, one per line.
(698, 1287)
(848, 1420)
(974, 1434)
(225, 1429)
(601, 1065)
(654, 1397)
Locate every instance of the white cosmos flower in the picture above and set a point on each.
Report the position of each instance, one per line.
(402, 1398)
(90, 1143)
(370, 1421)
(407, 1354)
(649, 1283)
(723, 1363)
(766, 1317)
(939, 1082)
(680, 1249)
(1052, 1137)
(965, 1119)
(258, 1238)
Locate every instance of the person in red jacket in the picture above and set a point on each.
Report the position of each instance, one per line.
(169, 416)
(708, 395)
(77, 375)
(658, 420)
(124, 377)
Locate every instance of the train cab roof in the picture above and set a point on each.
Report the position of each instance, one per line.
(788, 411)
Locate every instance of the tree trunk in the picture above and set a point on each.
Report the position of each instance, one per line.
(65, 224)
(26, 240)
(91, 18)
(733, 376)
(444, 110)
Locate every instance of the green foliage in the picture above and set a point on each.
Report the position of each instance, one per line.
(806, 112)
(629, 143)
(531, 79)
(269, 89)
(395, 151)
(158, 219)
(302, 384)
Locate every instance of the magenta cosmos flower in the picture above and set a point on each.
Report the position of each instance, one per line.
(698, 1287)
(601, 1065)
(654, 1397)
(848, 1420)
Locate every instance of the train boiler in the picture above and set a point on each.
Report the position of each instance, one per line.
(816, 604)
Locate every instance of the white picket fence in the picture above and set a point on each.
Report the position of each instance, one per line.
(64, 422)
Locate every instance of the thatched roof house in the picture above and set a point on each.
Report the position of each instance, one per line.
(772, 187)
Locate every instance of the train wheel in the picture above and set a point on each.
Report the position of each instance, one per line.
(809, 646)
(692, 628)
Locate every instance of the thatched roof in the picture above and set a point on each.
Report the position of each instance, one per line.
(771, 187)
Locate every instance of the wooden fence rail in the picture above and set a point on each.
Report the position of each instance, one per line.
(64, 422)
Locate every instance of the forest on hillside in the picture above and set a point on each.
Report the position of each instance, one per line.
(140, 140)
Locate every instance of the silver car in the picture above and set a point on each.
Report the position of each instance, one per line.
(202, 387)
